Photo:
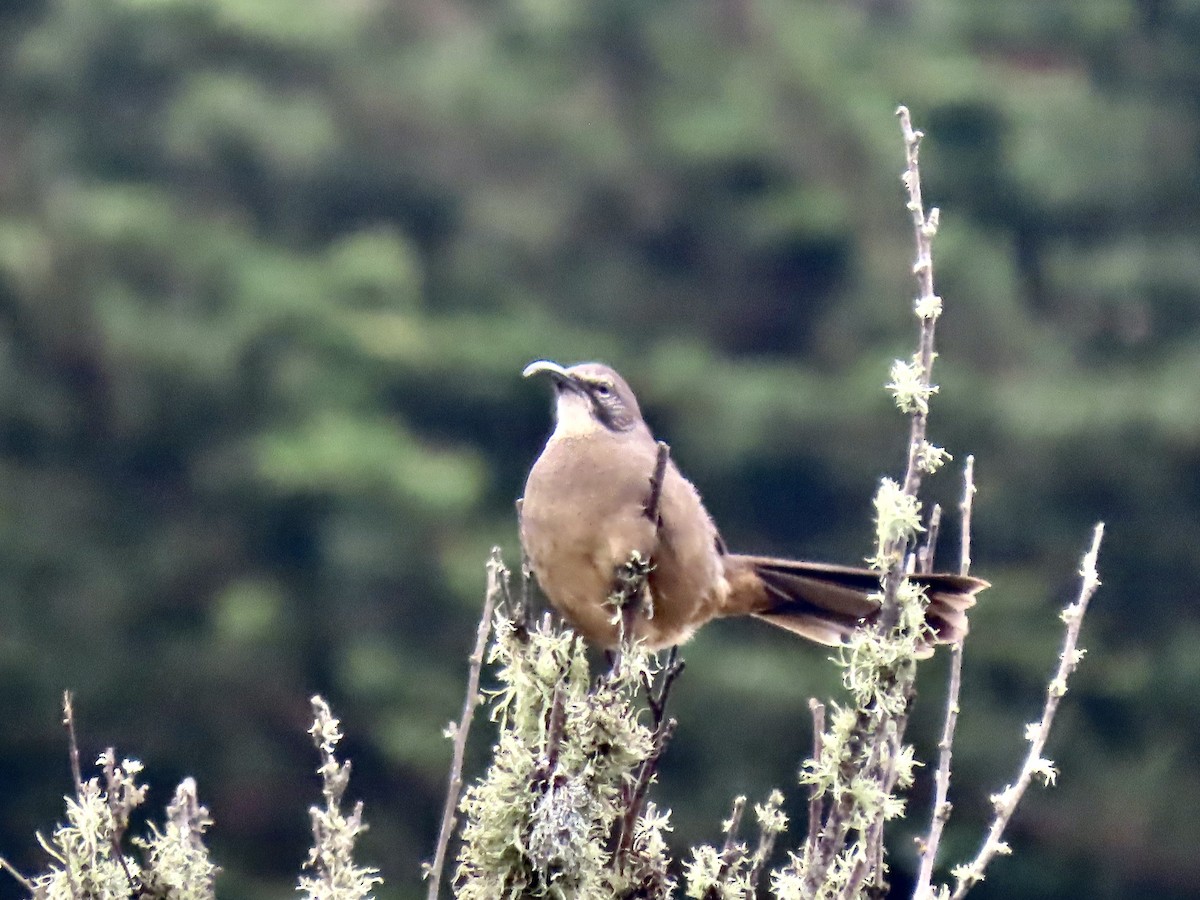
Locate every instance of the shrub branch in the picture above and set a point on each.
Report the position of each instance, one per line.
(1036, 765)
(497, 577)
(941, 804)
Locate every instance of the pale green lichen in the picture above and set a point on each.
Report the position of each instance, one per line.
(89, 861)
(897, 521)
(928, 307)
(178, 866)
(930, 457)
(909, 386)
(771, 818)
(863, 761)
(336, 876)
(543, 820)
(733, 872)
(85, 852)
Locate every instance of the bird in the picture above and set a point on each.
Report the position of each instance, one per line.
(586, 514)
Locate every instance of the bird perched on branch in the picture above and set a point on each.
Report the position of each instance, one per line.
(604, 495)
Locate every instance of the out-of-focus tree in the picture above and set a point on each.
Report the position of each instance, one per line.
(269, 272)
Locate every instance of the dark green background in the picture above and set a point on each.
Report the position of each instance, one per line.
(269, 271)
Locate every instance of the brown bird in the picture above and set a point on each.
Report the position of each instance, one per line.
(584, 514)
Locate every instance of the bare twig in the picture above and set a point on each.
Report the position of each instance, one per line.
(497, 576)
(1005, 802)
(877, 738)
(964, 509)
(630, 595)
(733, 824)
(829, 840)
(731, 849)
(656, 483)
(24, 882)
(928, 549)
(664, 729)
(941, 804)
(657, 701)
(521, 617)
(815, 798)
(928, 308)
(767, 833)
(68, 721)
(832, 833)
(637, 800)
(883, 769)
(120, 804)
(881, 736)
(555, 726)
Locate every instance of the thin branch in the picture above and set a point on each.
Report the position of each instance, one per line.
(865, 863)
(927, 308)
(882, 734)
(120, 855)
(913, 387)
(1005, 802)
(629, 594)
(657, 477)
(732, 826)
(671, 671)
(816, 797)
(941, 803)
(831, 839)
(928, 304)
(884, 772)
(664, 730)
(889, 732)
(68, 721)
(556, 724)
(730, 850)
(766, 844)
(833, 832)
(830, 835)
(119, 807)
(637, 801)
(521, 617)
(928, 549)
(24, 882)
(497, 577)
(964, 509)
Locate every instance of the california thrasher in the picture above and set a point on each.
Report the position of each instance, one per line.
(584, 515)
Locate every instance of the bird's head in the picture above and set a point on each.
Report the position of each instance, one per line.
(589, 396)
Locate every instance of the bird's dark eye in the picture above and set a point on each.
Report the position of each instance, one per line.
(603, 390)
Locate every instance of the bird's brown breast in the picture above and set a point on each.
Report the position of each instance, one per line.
(584, 514)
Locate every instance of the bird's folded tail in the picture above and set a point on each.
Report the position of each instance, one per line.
(826, 603)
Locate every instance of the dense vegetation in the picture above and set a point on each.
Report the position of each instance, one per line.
(269, 270)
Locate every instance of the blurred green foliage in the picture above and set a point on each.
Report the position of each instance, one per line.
(269, 272)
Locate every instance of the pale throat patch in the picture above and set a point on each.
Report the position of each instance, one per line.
(573, 415)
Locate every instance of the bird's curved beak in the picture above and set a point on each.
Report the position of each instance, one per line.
(553, 369)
